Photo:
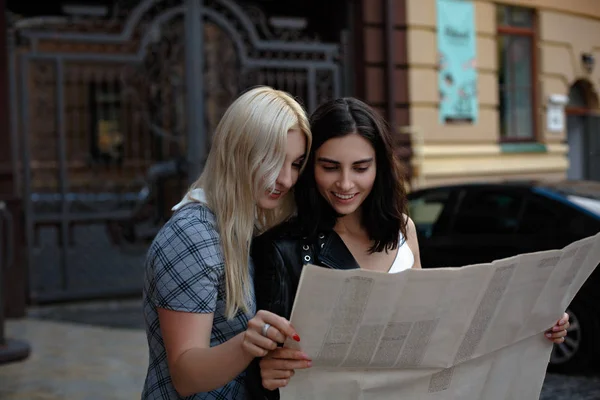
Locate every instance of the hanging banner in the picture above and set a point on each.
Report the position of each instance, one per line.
(457, 51)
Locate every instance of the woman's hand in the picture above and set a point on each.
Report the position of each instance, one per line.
(264, 331)
(278, 367)
(558, 332)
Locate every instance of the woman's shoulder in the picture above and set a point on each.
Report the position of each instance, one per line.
(195, 211)
(194, 224)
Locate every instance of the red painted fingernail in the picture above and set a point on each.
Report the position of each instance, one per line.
(296, 337)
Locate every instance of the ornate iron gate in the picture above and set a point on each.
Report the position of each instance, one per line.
(102, 117)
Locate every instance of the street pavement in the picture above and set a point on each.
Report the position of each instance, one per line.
(98, 351)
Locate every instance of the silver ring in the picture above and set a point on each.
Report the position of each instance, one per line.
(265, 329)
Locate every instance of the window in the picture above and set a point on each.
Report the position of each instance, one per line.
(107, 142)
(426, 210)
(538, 218)
(488, 212)
(516, 73)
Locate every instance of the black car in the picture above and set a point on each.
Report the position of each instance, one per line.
(478, 223)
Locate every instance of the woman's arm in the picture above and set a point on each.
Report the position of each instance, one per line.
(186, 269)
(195, 366)
(413, 242)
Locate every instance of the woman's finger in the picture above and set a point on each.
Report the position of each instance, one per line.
(286, 353)
(561, 327)
(276, 373)
(258, 324)
(253, 349)
(272, 384)
(279, 364)
(257, 339)
(280, 323)
(274, 334)
(556, 335)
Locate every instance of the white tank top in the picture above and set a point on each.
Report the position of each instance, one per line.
(404, 258)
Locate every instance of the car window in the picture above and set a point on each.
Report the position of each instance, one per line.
(426, 210)
(539, 218)
(488, 212)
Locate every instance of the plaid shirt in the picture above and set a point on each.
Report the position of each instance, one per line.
(185, 272)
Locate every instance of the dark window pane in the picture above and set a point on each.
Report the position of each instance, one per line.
(516, 114)
(519, 58)
(520, 17)
(522, 114)
(515, 86)
(488, 212)
(501, 15)
(514, 17)
(538, 218)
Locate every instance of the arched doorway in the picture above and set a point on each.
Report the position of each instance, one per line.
(583, 131)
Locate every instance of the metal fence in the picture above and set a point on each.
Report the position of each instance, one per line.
(109, 114)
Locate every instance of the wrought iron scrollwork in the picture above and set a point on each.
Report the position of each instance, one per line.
(118, 111)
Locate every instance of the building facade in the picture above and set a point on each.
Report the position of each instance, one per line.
(535, 63)
(98, 105)
(111, 110)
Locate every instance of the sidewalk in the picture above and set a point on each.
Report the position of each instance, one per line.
(98, 351)
(71, 361)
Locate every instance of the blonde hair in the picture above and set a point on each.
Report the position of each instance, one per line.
(247, 154)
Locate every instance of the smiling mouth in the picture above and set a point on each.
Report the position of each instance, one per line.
(344, 196)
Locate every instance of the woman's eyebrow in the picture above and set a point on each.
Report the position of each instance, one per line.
(328, 160)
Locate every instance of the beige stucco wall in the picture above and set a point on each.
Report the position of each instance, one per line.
(454, 153)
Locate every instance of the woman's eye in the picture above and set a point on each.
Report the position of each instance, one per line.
(297, 165)
(361, 169)
(329, 168)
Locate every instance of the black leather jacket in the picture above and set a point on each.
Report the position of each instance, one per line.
(279, 256)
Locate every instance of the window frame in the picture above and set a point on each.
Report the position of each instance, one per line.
(531, 32)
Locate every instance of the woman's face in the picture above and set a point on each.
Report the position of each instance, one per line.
(345, 172)
(294, 157)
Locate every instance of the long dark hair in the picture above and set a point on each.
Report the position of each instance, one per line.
(383, 210)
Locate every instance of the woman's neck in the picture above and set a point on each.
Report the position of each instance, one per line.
(350, 225)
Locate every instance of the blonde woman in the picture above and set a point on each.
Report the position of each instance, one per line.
(199, 304)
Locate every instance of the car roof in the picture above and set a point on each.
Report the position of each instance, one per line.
(563, 187)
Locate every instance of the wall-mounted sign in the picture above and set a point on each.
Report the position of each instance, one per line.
(457, 51)
(555, 113)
